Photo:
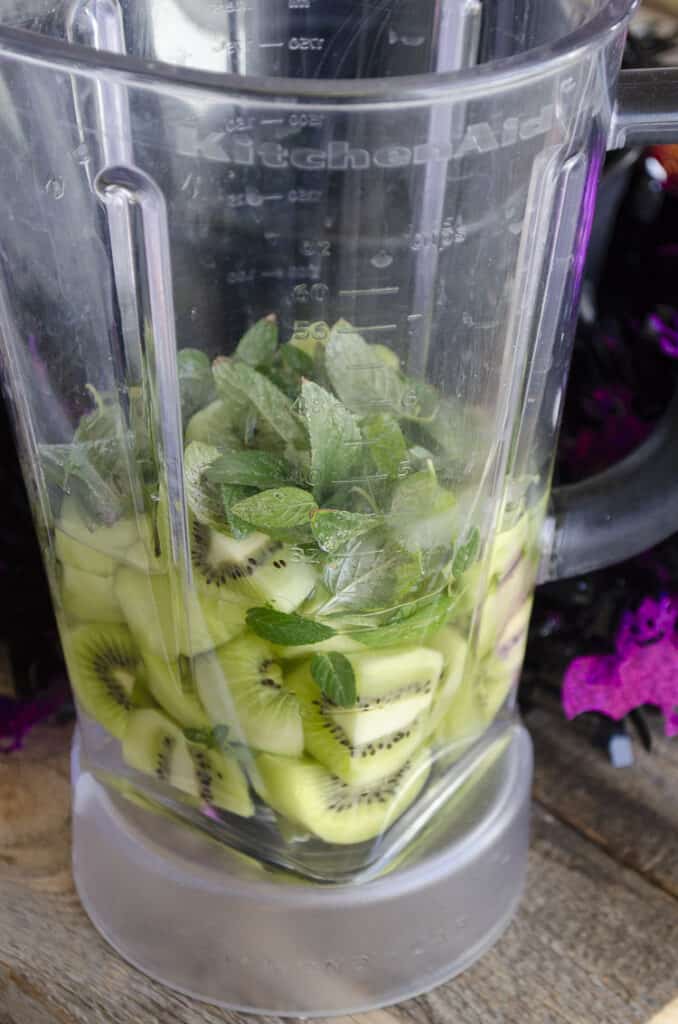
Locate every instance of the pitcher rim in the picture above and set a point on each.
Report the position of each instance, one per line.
(398, 91)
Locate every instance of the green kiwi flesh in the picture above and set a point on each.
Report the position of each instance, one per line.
(241, 686)
(170, 620)
(172, 685)
(324, 737)
(107, 673)
(156, 746)
(87, 597)
(257, 567)
(307, 793)
(394, 687)
(454, 649)
(96, 551)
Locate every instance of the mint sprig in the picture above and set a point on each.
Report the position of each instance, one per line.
(258, 345)
(334, 675)
(286, 629)
(280, 508)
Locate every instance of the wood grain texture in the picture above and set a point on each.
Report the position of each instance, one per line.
(593, 943)
(632, 813)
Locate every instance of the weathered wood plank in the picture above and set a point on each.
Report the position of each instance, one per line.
(630, 812)
(593, 942)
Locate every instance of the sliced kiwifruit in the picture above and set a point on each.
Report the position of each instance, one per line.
(505, 597)
(107, 673)
(266, 571)
(356, 763)
(173, 686)
(156, 746)
(87, 597)
(394, 687)
(170, 619)
(240, 685)
(307, 793)
(454, 650)
(96, 550)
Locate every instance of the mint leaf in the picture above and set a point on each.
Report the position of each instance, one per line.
(249, 469)
(258, 345)
(286, 630)
(219, 738)
(202, 736)
(386, 445)
(417, 627)
(466, 554)
(269, 403)
(281, 508)
(334, 675)
(363, 381)
(334, 529)
(370, 574)
(196, 384)
(423, 514)
(296, 360)
(336, 442)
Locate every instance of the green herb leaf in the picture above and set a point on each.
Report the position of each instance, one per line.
(281, 508)
(202, 736)
(220, 740)
(334, 529)
(363, 381)
(467, 554)
(258, 345)
(334, 675)
(249, 469)
(337, 447)
(247, 385)
(296, 360)
(423, 514)
(430, 616)
(371, 573)
(196, 384)
(286, 630)
(387, 446)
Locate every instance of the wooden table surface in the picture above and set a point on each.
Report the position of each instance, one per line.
(595, 940)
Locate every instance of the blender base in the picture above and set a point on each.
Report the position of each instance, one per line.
(218, 926)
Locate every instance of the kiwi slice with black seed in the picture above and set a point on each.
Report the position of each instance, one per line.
(265, 570)
(241, 686)
(107, 673)
(307, 793)
(173, 686)
(156, 746)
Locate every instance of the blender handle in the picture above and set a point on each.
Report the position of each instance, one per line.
(633, 505)
(618, 513)
(646, 109)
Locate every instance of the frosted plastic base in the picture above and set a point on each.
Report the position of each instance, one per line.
(220, 927)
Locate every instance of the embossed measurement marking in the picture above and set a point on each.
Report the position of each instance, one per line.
(370, 291)
(365, 328)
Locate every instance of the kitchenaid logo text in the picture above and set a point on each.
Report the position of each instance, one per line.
(231, 148)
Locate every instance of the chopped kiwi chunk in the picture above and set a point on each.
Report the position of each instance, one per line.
(307, 793)
(156, 746)
(241, 685)
(107, 673)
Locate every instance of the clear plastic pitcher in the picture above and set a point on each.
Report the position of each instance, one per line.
(286, 300)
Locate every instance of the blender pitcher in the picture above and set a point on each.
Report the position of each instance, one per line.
(287, 295)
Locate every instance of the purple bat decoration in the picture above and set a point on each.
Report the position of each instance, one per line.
(644, 669)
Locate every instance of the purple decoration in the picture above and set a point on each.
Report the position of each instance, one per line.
(18, 717)
(644, 669)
